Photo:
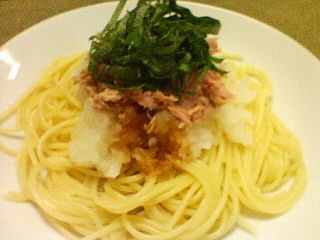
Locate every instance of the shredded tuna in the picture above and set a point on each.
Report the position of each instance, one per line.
(85, 78)
(213, 44)
(213, 88)
(180, 113)
(149, 127)
(195, 109)
(107, 96)
(153, 100)
(211, 93)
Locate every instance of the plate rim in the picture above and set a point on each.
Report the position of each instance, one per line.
(265, 25)
(299, 47)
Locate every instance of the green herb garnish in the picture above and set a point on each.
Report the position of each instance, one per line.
(154, 47)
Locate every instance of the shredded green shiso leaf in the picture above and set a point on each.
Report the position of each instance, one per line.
(153, 47)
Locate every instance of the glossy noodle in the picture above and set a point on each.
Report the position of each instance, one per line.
(201, 199)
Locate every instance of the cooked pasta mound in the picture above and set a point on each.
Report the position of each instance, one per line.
(243, 160)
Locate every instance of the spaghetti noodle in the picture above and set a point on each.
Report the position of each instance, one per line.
(200, 199)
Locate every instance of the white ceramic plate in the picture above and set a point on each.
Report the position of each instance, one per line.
(296, 79)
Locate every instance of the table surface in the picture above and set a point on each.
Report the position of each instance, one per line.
(299, 19)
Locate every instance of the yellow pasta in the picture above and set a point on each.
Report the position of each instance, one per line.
(203, 199)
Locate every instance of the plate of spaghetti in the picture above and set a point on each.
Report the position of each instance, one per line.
(158, 120)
